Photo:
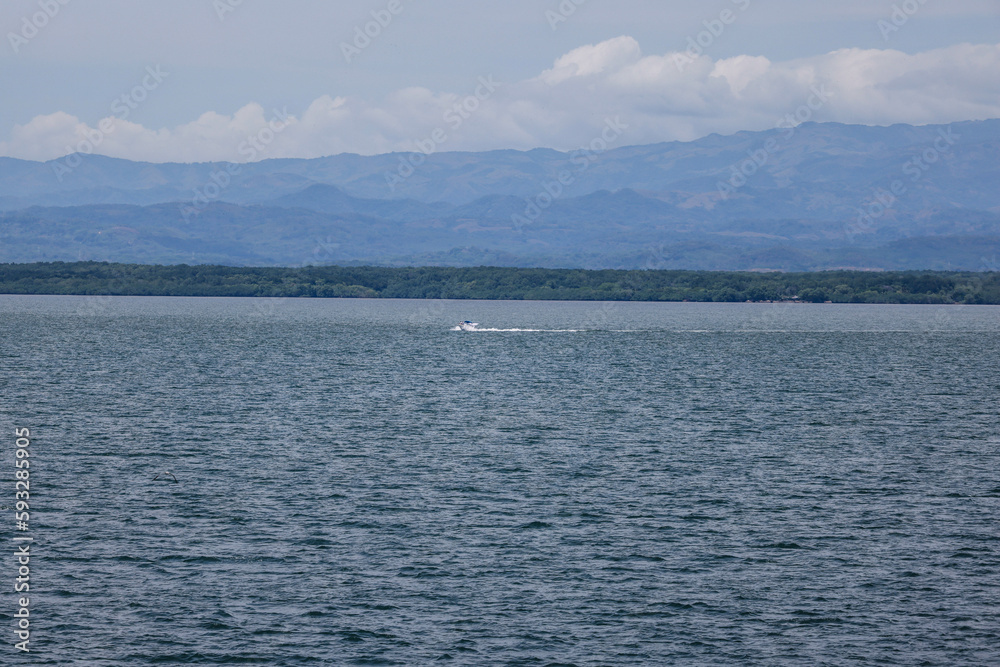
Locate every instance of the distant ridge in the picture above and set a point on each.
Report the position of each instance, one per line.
(817, 197)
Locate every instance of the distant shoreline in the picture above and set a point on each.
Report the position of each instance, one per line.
(500, 283)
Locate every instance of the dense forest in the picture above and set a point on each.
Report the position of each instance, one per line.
(100, 278)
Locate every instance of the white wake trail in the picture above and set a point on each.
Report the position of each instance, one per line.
(492, 330)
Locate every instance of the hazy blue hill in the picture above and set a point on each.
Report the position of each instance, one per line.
(626, 207)
(857, 157)
(621, 207)
(490, 208)
(331, 199)
(632, 206)
(265, 235)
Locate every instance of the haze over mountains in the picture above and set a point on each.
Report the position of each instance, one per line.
(812, 197)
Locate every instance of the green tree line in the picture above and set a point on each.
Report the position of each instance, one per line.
(101, 278)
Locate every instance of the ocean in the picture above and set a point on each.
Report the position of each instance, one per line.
(354, 482)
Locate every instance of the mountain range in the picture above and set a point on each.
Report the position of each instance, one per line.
(816, 196)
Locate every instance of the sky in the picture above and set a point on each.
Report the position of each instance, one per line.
(244, 80)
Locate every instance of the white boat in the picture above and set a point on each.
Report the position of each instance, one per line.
(468, 326)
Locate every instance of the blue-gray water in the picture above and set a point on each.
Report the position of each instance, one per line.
(648, 484)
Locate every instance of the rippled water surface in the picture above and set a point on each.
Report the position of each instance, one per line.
(626, 484)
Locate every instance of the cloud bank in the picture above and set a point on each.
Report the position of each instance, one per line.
(665, 97)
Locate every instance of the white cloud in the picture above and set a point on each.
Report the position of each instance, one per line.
(566, 106)
(593, 59)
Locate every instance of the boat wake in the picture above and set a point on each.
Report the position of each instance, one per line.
(475, 328)
(491, 330)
